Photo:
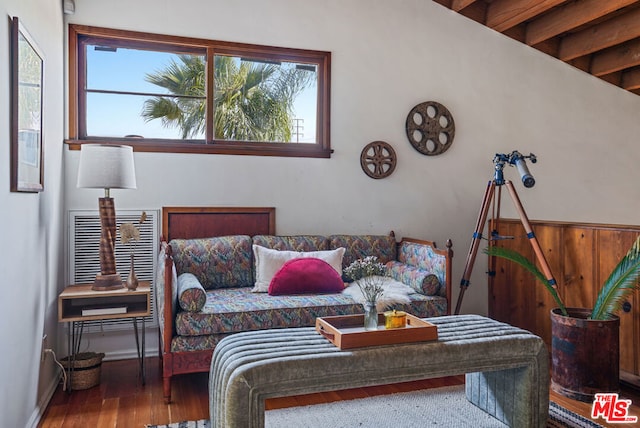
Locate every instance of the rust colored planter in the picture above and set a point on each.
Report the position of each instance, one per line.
(585, 354)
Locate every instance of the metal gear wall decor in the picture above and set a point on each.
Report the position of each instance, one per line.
(378, 159)
(430, 128)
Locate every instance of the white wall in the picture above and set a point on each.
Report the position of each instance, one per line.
(30, 228)
(386, 58)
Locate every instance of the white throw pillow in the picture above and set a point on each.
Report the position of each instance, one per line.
(269, 261)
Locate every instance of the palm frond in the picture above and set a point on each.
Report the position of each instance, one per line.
(621, 283)
(516, 257)
(252, 101)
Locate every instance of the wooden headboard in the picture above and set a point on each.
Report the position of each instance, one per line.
(204, 222)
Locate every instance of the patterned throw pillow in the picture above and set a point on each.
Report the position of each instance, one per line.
(191, 294)
(219, 262)
(306, 276)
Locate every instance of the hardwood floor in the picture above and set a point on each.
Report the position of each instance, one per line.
(122, 401)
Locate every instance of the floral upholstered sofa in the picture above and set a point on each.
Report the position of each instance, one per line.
(209, 288)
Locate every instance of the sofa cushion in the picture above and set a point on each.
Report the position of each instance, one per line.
(422, 281)
(191, 294)
(219, 262)
(231, 310)
(268, 262)
(360, 246)
(307, 275)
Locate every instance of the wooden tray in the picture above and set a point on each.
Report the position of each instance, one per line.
(348, 331)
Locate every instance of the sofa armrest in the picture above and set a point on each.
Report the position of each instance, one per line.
(427, 256)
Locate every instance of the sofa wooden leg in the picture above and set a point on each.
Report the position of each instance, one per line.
(166, 386)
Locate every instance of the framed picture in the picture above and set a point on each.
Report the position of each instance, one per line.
(27, 73)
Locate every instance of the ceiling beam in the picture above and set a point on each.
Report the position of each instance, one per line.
(583, 63)
(504, 14)
(617, 58)
(458, 5)
(445, 3)
(631, 80)
(475, 11)
(550, 47)
(613, 78)
(570, 16)
(601, 36)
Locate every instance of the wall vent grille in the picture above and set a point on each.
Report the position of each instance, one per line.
(84, 259)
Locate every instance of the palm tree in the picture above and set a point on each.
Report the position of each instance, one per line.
(253, 100)
(187, 78)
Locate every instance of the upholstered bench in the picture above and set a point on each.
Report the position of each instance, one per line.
(506, 369)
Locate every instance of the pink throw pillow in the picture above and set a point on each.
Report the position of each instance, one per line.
(306, 276)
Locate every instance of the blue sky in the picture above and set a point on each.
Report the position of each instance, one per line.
(125, 70)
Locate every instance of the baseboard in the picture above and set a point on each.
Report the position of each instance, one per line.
(34, 420)
(128, 354)
(630, 380)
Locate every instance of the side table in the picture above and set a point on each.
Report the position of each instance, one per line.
(79, 303)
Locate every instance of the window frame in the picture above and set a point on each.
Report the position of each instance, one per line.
(79, 35)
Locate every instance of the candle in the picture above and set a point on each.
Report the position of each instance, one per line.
(395, 319)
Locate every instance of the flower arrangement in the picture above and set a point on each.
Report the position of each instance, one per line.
(367, 273)
(130, 233)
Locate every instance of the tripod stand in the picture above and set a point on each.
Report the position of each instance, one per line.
(515, 158)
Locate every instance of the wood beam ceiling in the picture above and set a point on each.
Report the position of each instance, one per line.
(600, 37)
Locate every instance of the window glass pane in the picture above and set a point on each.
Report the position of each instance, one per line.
(126, 88)
(258, 100)
(120, 115)
(124, 69)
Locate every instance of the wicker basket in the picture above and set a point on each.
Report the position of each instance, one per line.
(86, 369)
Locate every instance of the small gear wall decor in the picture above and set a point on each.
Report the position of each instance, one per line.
(378, 159)
(430, 128)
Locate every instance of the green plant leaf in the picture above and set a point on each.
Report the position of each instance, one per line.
(516, 257)
(621, 283)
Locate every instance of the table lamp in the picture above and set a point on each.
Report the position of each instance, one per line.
(107, 167)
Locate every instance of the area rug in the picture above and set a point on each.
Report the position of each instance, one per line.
(439, 407)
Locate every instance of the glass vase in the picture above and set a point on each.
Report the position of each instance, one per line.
(370, 316)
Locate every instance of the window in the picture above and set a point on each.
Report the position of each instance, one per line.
(173, 94)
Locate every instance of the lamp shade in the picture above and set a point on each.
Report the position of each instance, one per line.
(105, 166)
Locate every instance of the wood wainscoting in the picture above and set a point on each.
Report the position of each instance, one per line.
(581, 257)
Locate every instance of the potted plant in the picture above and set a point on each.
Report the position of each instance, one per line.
(585, 346)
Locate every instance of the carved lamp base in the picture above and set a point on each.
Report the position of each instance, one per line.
(107, 282)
